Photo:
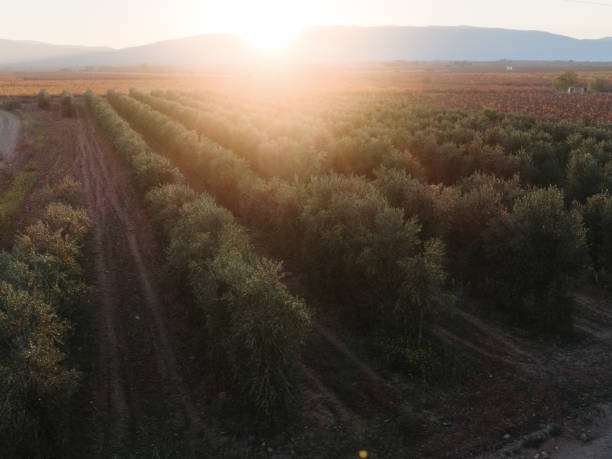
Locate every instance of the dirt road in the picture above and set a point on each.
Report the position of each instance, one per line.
(9, 133)
(143, 407)
(598, 444)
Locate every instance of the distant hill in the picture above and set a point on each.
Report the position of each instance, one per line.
(15, 51)
(200, 49)
(443, 44)
(196, 51)
(324, 44)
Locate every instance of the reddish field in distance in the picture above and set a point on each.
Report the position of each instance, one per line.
(533, 101)
(466, 86)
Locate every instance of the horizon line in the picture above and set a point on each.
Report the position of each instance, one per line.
(298, 32)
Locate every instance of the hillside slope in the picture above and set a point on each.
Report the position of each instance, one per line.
(444, 44)
(15, 51)
(324, 44)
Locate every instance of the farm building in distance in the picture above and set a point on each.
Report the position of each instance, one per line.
(573, 90)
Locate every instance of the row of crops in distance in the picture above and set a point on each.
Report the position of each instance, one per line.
(253, 329)
(517, 201)
(450, 147)
(352, 244)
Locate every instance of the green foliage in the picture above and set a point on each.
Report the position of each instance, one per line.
(164, 204)
(33, 379)
(67, 105)
(538, 249)
(52, 247)
(44, 100)
(464, 218)
(274, 206)
(201, 230)
(253, 328)
(404, 161)
(280, 157)
(422, 294)
(600, 85)
(151, 170)
(404, 192)
(222, 170)
(352, 242)
(448, 175)
(352, 237)
(67, 190)
(41, 286)
(566, 80)
(256, 326)
(13, 198)
(589, 170)
(597, 215)
(364, 251)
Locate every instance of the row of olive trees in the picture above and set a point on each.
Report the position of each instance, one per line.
(67, 106)
(433, 144)
(353, 245)
(520, 247)
(253, 327)
(41, 288)
(271, 154)
(571, 79)
(475, 215)
(44, 99)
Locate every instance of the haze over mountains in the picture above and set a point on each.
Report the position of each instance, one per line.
(445, 44)
(16, 51)
(322, 44)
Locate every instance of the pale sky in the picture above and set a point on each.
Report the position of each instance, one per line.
(272, 23)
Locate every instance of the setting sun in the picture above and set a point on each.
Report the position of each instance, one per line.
(269, 37)
(268, 25)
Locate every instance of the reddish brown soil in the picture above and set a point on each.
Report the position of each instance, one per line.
(141, 403)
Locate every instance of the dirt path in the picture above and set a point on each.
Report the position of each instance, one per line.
(9, 133)
(596, 444)
(143, 406)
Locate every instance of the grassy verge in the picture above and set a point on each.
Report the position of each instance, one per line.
(11, 201)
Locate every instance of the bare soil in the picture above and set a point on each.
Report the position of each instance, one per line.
(594, 443)
(142, 405)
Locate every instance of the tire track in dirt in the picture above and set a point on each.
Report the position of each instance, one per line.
(110, 391)
(374, 384)
(594, 316)
(139, 369)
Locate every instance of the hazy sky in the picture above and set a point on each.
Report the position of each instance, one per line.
(270, 23)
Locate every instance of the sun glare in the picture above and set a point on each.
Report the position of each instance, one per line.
(268, 25)
(269, 37)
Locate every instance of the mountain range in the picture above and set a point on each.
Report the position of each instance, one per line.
(322, 44)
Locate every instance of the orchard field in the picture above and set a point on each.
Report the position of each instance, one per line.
(387, 259)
